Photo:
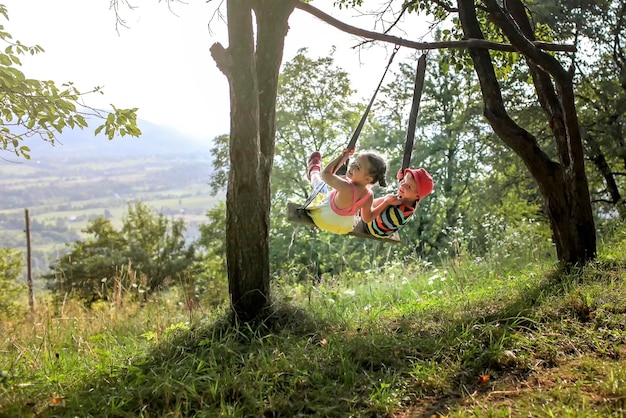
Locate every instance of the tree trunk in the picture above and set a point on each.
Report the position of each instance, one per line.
(596, 156)
(253, 80)
(563, 184)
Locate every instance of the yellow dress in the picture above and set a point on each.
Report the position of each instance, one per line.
(330, 218)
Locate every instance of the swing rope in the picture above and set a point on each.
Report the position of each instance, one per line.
(357, 131)
(417, 96)
(355, 135)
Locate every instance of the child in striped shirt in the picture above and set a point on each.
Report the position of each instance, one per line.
(393, 211)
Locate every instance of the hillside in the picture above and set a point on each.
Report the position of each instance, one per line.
(83, 177)
(459, 340)
(154, 140)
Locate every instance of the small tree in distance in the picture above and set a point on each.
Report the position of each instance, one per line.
(148, 254)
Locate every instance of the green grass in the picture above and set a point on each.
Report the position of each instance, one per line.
(462, 340)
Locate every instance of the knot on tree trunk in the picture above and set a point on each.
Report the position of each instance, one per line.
(222, 58)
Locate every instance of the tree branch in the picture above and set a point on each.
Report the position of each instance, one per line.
(468, 43)
(526, 46)
(618, 55)
(446, 7)
(404, 9)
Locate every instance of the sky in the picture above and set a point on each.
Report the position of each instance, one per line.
(161, 63)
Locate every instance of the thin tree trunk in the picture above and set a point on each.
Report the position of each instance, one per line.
(599, 160)
(29, 265)
(246, 250)
(272, 26)
(567, 134)
(563, 184)
(253, 79)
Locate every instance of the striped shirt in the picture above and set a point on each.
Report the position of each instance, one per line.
(390, 220)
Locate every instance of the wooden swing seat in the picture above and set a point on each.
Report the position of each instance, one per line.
(295, 214)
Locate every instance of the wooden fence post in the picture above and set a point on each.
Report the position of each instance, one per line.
(29, 265)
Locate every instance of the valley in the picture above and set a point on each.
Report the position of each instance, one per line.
(64, 188)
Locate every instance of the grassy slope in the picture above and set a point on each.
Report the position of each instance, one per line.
(461, 341)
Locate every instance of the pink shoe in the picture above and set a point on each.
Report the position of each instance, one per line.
(315, 163)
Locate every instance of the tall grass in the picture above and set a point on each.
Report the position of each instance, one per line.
(466, 338)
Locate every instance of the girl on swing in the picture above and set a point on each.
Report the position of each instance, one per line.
(334, 211)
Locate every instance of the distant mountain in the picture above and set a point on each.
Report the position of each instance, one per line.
(155, 140)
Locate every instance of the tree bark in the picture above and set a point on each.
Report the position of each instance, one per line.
(272, 26)
(563, 184)
(253, 80)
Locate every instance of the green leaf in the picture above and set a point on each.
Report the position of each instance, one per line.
(445, 67)
(43, 107)
(25, 151)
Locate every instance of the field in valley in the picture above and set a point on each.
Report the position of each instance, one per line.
(63, 193)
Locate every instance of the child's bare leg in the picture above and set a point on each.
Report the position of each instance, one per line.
(316, 177)
(315, 166)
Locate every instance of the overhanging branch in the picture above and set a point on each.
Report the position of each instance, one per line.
(468, 43)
